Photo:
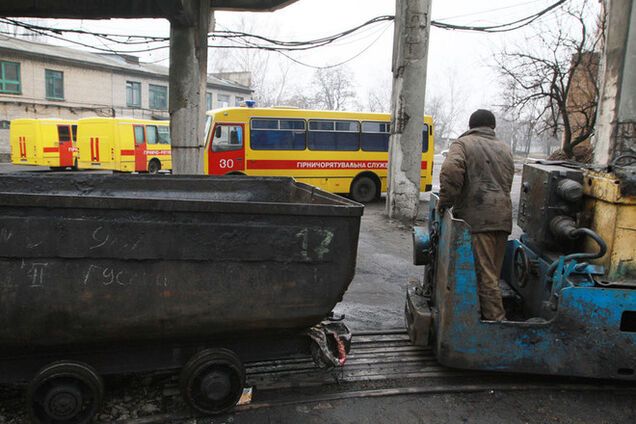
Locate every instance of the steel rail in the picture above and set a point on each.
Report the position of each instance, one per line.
(397, 391)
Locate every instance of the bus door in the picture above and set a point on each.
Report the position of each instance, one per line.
(227, 149)
(140, 148)
(65, 142)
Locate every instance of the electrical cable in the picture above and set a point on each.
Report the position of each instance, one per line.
(340, 63)
(497, 9)
(254, 41)
(510, 26)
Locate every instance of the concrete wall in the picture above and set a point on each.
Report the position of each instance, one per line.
(87, 92)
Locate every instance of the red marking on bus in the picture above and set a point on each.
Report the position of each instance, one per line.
(127, 152)
(95, 149)
(22, 141)
(51, 149)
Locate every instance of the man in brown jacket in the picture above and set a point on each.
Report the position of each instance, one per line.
(475, 181)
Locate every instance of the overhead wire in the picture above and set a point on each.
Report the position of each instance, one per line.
(509, 26)
(497, 9)
(245, 40)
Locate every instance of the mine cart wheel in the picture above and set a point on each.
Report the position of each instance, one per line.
(364, 189)
(65, 393)
(212, 381)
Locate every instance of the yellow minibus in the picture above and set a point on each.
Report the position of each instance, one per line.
(43, 142)
(124, 144)
(340, 152)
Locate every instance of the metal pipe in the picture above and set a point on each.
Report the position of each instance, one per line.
(581, 255)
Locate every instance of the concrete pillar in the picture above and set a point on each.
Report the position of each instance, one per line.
(410, 49)
(188, 78)
(616, 115)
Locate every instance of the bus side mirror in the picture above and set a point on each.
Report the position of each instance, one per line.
(217, 132)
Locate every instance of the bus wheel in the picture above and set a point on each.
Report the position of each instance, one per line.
(154, 166)
(363, 189)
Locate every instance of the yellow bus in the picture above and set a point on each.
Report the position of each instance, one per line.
(340, 152)
(43, 142)
(124, 144)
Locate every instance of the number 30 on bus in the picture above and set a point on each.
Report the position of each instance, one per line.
(340, 152)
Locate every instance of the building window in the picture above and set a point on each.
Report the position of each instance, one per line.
(5, 125)
(54, 84)
(158, 97)
(208, 101)
(223, 100)
(238, 100)
(10, 77)
(133, 94)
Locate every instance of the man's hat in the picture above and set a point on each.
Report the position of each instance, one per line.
(482, 118)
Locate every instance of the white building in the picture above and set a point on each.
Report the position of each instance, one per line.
(45, 81)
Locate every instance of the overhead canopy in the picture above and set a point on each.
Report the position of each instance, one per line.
(103, 9)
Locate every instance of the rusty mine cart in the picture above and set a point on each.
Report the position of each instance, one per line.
(116, 274)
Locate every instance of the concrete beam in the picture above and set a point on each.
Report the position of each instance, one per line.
(104, 9)
(188, 78)
(410, 51)
(616, 116)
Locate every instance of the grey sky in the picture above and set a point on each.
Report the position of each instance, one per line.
(463, 57)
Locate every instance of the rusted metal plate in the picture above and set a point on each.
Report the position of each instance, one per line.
(94, 260)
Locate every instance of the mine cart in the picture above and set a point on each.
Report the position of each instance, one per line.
(115, 274)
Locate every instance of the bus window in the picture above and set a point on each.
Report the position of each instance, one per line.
(208, 124)
(151, 134)
(140, 138)
(74, 131)
(277, 134)
(333, 135)
(227, 137)
(63, 133)
(425, 139)
(163, 135)
(375, 136)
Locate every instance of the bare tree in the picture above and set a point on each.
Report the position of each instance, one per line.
(445, 107)
(333, 88)
(379, 97)
(555, 83)
(298, 96)
(269, 75)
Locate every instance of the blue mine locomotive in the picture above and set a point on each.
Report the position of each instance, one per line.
(568, 283)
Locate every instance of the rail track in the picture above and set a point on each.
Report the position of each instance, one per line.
(382, 363)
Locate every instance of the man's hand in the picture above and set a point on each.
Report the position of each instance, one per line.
(439, 209)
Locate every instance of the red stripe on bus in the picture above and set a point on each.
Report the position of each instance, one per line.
(320, 164)
(51, 149)
(128, 153)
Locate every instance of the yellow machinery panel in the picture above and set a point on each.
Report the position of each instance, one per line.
(613, 217)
